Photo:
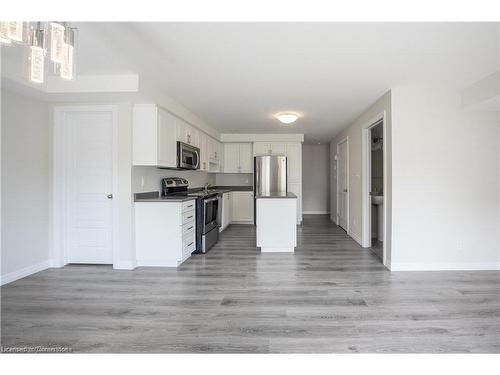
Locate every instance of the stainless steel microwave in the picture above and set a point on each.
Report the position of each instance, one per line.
(188, 157)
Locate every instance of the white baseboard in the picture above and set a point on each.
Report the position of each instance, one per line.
(125, 265)
(315, 212)
(485, 266)
(277, 249)
(23, 272)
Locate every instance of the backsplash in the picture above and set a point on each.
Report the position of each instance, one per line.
(234, 179)
(149, 178)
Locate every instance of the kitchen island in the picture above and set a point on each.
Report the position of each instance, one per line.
(276, 222)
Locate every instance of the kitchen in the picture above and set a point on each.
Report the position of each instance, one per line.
(176, 163)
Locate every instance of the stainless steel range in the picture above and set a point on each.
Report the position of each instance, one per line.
(207, 209)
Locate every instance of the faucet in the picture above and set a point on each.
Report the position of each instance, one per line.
(207, 185)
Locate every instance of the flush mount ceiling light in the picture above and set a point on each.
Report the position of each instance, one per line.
(287, 117)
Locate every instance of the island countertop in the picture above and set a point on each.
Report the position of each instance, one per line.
(276, 195)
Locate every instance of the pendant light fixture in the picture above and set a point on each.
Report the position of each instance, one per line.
(37, 55)
(68, 50)
(4, 33)
(53, 40)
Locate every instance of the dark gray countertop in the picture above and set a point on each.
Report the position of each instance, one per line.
(154, 196)
(277, 195)
(234, 188)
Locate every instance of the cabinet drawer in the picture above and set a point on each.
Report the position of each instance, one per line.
(189, 243)
(188, 205)
(187, 228)
(188, 217)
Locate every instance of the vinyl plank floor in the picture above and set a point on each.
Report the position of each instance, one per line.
(329, 296)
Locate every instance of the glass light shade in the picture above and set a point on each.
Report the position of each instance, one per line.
(37, 64)
(57, 42)
(287, 118)
(67, 66)
(16, 31)
(4, 33)
(66, 70)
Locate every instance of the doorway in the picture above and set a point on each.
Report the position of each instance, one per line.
(374, 187)
(85, 167)
(343, 184)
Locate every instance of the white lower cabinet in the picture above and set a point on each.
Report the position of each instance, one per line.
(243, 207)
(165, 232)
(226, 210)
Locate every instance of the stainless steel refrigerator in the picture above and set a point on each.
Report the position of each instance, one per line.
(269, 176)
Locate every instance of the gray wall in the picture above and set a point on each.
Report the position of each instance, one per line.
(315, 179)
(25, 184)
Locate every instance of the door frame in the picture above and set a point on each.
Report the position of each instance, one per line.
(59, 240)
(366, 181)
(346, 141)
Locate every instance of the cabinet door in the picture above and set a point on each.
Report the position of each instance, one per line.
(243, 206)
(194, 137)
(204, 164)
(246, 158)
(231, 157)
(296, 188)
(181, 130)
(220, 155)
(227, 207)
(167, 145)
(260, 148)
(294, 161)
(278, 148)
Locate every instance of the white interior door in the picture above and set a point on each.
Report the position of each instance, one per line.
(89, 186)
(342, 184)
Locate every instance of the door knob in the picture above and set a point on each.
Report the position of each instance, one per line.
(109, 196)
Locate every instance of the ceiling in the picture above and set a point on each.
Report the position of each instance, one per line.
(235, 76)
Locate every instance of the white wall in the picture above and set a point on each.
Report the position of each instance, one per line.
(354, 132)
(25, 185)
(234, 179)
(315, 179)
(152, 178)
(445, 182)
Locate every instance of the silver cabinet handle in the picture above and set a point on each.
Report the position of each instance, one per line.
(191, 227)
(109, 196)
(190, 244)
(189, 217)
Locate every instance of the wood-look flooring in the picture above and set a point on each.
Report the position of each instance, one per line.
(329, 296)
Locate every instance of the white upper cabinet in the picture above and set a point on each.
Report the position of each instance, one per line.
(261, 148)
(238, 158)
(167, 145)
(204, 161)
(187, 133)
(231, 157)
(294, 162)
(264, 148)
(246, 158)
(154, 141)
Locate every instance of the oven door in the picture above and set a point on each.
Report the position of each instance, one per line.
(188, 157)
(210, 210)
